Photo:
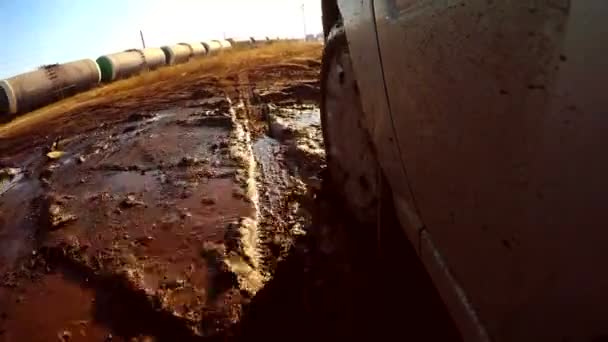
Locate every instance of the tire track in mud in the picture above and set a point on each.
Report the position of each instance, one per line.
(244, 259)
(331, 282)
(279, 186)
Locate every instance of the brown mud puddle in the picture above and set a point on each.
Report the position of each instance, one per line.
(155, 203)
(54, 291)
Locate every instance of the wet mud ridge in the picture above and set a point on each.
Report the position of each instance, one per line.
(198, 215)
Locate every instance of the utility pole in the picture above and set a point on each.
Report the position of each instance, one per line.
(304, 20)
(143, 42)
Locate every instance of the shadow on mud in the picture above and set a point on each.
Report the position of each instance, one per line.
(121, 310)
(337, 284)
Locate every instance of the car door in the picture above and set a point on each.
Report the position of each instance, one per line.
(501, 125)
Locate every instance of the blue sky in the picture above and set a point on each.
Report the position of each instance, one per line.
(37, 32)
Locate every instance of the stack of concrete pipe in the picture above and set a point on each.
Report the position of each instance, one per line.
(48, 84)
(177, 54)
(260, 40)
(225, 44)
(197, 49)
(240, 42)
(214, 46)
(128, 63)
(32, 90)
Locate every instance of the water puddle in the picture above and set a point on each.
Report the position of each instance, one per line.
(73, 310)
(216, 102)
(17, 222)
(303, 117)
(299, 129)
(126, 182)
(140, 124)
(265, 150)
(159, 116)
(268, 153)
(285, 123)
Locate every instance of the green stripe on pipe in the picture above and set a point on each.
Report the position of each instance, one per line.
(105, 66)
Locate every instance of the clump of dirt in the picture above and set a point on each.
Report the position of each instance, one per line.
(54, 214)
(9, 176)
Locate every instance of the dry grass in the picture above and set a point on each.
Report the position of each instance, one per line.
(221, 65)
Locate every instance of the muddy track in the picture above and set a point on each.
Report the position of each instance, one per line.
(198, 216)
(180, 212)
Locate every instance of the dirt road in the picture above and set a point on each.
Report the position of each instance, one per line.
(193, 210)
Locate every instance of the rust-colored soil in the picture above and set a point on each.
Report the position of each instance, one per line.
(188, 204)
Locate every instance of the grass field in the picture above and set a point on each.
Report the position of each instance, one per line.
(222, 65)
